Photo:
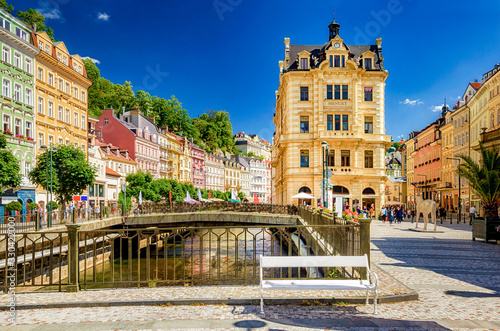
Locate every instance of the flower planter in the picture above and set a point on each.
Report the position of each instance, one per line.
(484, 229)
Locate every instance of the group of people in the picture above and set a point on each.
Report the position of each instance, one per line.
(80, 208)
(396, 214)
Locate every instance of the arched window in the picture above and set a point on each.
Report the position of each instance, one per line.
(305, 189)
(368, 191)
(340, 189)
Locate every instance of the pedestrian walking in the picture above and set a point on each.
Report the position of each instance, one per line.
(384, 213)
(442, 213)
(399, 215)
(97, 211)
(40, 211)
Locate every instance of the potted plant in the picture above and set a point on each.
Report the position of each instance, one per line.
(484, 179)
(7, 132)
(13, 206)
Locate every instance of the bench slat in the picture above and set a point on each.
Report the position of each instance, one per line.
(313, 261)
(311, 284)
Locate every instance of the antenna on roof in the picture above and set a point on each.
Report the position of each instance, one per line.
(334, 14)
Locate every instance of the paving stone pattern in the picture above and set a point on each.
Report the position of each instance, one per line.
(458, 282)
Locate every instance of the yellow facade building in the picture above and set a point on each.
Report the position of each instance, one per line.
(333, 93)
(61, 95)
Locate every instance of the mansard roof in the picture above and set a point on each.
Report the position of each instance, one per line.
(318, 51)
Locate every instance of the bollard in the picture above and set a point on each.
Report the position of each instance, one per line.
(364, 240)
(73, 216)
(73, 258)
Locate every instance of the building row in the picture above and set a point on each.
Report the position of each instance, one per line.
(432, 154)
(44, 103)
(155, 150)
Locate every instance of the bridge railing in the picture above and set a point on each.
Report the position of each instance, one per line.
(74, 259)
(225, 206)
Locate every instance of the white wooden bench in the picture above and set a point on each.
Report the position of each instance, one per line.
(368, 284)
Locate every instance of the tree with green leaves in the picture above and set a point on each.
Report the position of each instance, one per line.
(123, 96)
(5, 6)
(145, 102)
(71, 173)
(13, 206)
(215, 130)
(142, 182)
(484, 178)
(32, 17)
(171, 114)
(100, 92)
(10, 174)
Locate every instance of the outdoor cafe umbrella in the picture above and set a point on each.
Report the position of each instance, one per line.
(394, 203)
(303, 195)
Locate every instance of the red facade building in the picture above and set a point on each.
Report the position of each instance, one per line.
(141, 141)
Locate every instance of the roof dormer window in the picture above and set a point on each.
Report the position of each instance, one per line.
(40, 45)
(303, 64)
(58, 56)
(368, 64)
(47, 49)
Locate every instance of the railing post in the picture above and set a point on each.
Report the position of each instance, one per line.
(73, 257)
(37, 221)
(364, 240)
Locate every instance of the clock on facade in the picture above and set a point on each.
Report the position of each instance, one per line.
(337, 45)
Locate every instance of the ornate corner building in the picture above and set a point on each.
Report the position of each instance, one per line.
(334, 93)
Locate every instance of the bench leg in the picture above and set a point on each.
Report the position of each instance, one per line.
(261, 301)
(375, 303)
(367, 293)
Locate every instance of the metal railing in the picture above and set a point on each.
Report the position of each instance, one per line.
(224, 206)
(35, 221)
(74, 259)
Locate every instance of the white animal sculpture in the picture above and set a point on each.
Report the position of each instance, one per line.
(425, 207)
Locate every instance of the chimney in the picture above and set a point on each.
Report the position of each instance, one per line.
(152, 119)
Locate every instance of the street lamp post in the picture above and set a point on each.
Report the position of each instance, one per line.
(49, 183)
(459, 191)
(325, 147)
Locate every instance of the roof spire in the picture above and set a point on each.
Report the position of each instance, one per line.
(334, 27)
(445, 108)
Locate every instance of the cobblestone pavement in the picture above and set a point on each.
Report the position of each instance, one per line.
(458, 282)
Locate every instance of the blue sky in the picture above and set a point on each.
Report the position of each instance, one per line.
(224, 54)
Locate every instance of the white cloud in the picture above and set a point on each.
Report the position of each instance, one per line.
(411, 102)
(50, 10)
(91, 59)
(103, 16)
(437, 108)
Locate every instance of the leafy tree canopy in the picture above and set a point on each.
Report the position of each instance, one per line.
(215, 130)
(71, 174)
(10, 175)
(484, 178)
(5, 6)
(31, 17)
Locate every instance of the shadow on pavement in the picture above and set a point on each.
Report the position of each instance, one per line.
(326, 317)
(475, 263)
(468, 294)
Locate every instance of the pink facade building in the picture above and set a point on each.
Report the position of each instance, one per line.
(198, 166)
(427, 161)
(134, 133)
